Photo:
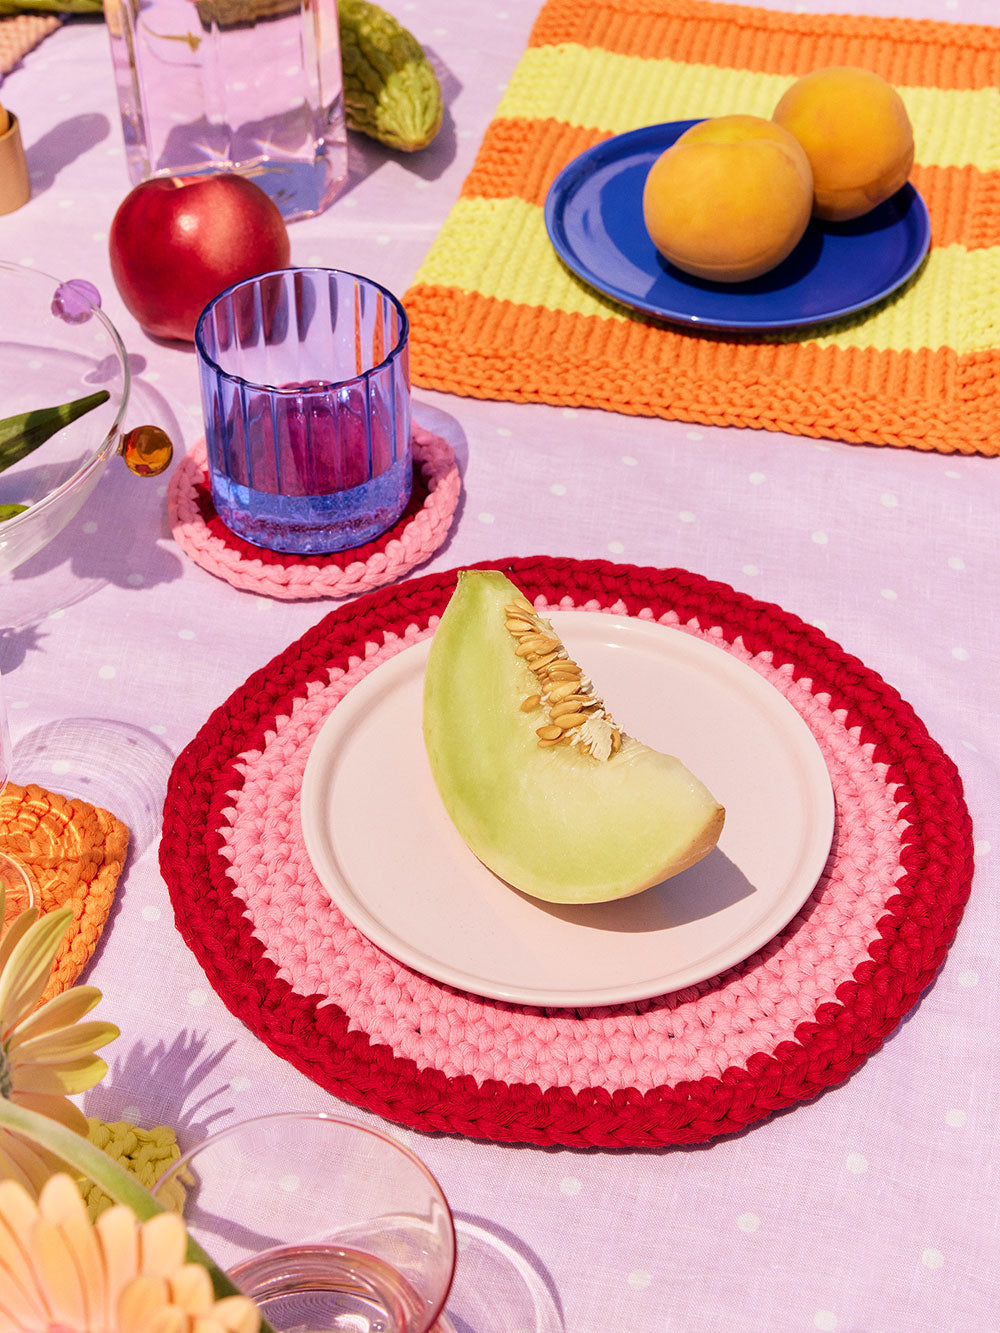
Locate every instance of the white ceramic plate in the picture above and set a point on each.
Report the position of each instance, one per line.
(392, 861)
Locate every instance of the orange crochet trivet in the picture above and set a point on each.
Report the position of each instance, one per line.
(75, 852)
(495, 314)
(20, 33)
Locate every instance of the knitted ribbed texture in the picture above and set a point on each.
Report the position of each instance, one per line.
(796, 1017)
(495, 314)
(420, 530)
(75, 852)
(144, 1153)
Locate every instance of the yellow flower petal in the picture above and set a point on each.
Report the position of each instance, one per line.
(140, 1300)
(18, 1210)
(118, 1233)
(170, 1320)
(58, 1277)
(16, 931)
(13, 1324)
(67, 1043)
(62, 1011)
(60, 1200)
(26, 973)
(191, 1289)
(56, 1108)
(207, 1324)
(21, 1161)
(70, 1077)
(19, 1298)
(162, 1245)
(61, 1204)
(238, 1314)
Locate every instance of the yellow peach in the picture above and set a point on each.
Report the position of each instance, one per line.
(857, 135)
(730, 199)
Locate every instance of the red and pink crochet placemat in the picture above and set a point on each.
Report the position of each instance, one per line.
(797, 1017)
(420, 530)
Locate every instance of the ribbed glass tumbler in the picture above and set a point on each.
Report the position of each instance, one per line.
(305, 387)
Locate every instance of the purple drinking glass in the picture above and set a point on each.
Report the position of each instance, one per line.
(306, 394)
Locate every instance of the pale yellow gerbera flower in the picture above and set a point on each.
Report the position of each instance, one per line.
(45, 1052)
(62, 1273)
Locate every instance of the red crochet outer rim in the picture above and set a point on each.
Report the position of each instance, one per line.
(910, 943)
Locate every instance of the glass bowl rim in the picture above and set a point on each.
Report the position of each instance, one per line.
(110, 442)
(394, 354)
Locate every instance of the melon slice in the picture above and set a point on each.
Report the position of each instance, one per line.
(544, 787)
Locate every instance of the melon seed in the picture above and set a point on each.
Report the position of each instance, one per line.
(529, 643)
(539, 664)
(569, 720)
(548, 733)
(565, 708)
(531, 703)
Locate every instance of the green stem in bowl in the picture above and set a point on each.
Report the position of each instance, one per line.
(89, 1160)
(11, 511)
(21, 435)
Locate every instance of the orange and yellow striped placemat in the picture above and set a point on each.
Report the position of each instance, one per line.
(495, 314)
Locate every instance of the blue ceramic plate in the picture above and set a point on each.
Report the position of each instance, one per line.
(593, 213)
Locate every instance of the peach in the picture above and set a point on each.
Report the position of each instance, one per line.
(857, 135)
(729, 199)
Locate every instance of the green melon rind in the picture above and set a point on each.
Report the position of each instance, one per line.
(554, 823)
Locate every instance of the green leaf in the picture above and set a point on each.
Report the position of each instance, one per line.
(22, 434)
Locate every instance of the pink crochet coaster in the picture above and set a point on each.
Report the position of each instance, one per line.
(793, 1019)
(420, 530)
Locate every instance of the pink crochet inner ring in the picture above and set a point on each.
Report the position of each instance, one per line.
(685, 1035)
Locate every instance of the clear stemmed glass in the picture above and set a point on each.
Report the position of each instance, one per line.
(18, 886)
(327, 1224)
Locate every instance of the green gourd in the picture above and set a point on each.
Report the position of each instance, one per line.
(391, 92)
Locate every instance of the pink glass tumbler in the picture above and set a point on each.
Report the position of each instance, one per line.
(306, 393)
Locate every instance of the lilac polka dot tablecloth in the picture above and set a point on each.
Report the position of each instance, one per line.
(869, 1209)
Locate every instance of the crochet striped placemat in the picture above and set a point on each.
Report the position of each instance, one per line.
(795, 1018)
(495, 314)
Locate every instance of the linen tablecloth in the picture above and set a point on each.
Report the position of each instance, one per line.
(871, 1208)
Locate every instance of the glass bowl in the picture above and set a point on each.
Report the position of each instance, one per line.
(55, 346)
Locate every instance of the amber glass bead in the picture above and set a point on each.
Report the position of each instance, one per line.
(147, 451)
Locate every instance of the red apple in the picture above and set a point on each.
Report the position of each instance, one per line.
(177, 241)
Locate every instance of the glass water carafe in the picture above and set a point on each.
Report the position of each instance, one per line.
(253, 86)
